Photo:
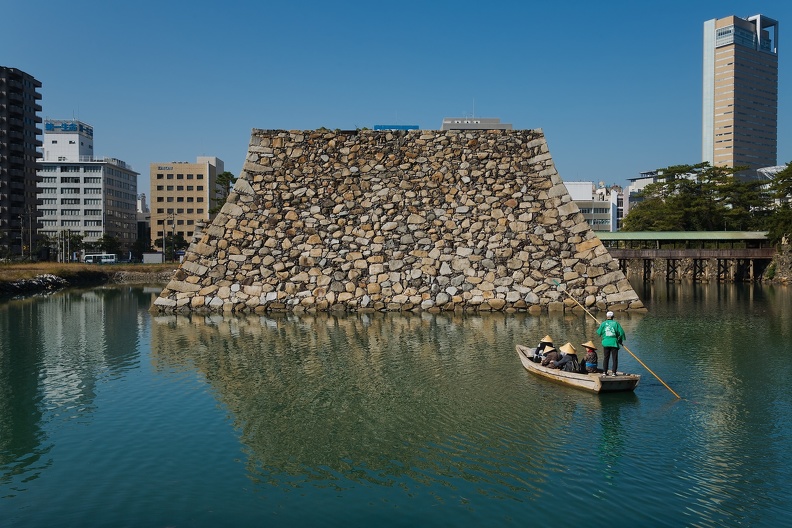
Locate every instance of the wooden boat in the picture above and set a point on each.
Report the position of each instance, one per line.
(590, 382)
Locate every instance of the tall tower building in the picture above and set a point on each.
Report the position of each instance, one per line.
(740, 98)
(19, 108)
(81, 194)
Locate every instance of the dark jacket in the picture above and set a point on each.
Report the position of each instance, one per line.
(568, 363)
(551, 356)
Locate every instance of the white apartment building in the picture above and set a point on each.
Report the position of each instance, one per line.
(601, 206)
(81, 193)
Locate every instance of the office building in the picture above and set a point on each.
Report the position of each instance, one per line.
(19, 140)
(82, 194)
(183, 196)
(740, 92)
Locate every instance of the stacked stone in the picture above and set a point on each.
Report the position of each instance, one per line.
(403, 220)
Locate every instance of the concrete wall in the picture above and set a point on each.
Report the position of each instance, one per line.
(398, 220)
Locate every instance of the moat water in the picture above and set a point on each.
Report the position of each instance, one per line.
(112, 416)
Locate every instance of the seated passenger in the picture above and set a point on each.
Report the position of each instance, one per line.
(591, 360)
(546, 341)
(569, 360)
(550, 355)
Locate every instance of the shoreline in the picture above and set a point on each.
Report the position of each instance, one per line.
(30, 279)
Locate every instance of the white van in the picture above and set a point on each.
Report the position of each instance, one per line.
(100, 258)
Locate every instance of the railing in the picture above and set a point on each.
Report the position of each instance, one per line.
(724, 253)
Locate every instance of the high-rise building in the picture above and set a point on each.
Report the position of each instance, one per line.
(81, 194)
(740, 96)
(182, 196)
(19, 133)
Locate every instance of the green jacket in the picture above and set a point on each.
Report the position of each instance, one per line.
(611, 332)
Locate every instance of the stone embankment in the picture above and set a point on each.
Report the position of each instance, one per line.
(41, 283)
(47, 282)
(419, 220)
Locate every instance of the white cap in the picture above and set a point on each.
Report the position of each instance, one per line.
(609, 314)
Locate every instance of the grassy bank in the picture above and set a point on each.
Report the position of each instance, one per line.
(11, 272)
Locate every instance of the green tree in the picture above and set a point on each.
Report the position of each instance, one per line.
(696, 198)
(109, 244)
(224, 182)
(782, 183)
(141, 245)
(174, 243)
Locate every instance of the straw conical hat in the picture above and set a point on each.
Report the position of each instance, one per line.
(546, 339)
(589, 344)
(568, 349)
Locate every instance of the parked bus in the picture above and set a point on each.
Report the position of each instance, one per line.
(100, 258)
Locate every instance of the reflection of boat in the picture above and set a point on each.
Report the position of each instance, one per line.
(589, 382)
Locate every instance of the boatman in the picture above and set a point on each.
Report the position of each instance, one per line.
(613, 336)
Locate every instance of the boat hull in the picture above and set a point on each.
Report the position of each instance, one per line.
(589, 382)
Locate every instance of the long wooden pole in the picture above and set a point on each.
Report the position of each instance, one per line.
(625, 346)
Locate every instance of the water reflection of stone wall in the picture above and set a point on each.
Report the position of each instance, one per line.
(323, 393)
(397, 221)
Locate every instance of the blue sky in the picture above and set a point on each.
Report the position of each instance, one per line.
(616, 86)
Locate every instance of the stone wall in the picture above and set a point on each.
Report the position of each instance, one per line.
(410, 220)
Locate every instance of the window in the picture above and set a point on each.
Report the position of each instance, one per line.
(93, 212)
(170, 177)
(189, 187)
(92, 179)
(170, 198)
(70, 223)
(160, 187)
(189, 176)
(160, 176)
(199, 199)
(180, 198)
(92, 201)
(49, 201)
(70, 201)
(170, 188)
(70, 179)
(200, 177)
(180, 187)
(92, 223)
(70, 212)
(47, 190)
(92, 190)
(189, 198)
(199, 188)
(180, 176)
(199, 211)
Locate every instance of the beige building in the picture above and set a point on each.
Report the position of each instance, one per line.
(740, 92)
(182, 195)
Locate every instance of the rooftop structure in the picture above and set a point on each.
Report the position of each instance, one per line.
(474, 123)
